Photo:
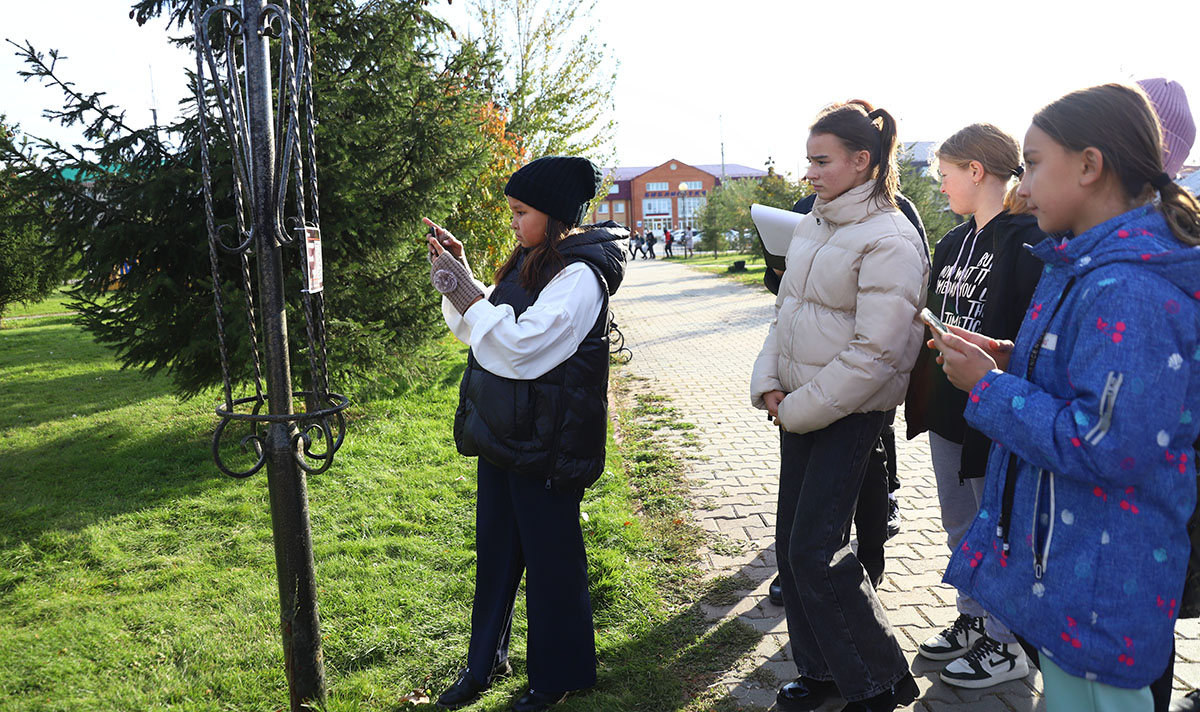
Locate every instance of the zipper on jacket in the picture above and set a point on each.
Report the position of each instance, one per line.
(1041, 558)
(1010, 475)
(1108, 401)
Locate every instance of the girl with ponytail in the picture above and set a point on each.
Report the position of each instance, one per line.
(835, 360)
(982, 280)
(1080, 545)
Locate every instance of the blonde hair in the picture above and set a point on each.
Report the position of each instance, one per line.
(995, 150)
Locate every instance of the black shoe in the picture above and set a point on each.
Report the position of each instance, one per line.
(1188, 703)
(467, 689)
(775, 592)
(803, 694)
(534, 701)
(893, 524)
(902, 694)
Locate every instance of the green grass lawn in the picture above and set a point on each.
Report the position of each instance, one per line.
(134, 576)
(705, 262)
(54, 304)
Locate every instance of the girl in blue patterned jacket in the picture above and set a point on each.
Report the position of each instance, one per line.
(1080, 544)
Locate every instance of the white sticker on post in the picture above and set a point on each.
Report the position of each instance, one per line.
(313, 272)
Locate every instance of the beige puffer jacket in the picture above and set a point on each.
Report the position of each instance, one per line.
(846, 331)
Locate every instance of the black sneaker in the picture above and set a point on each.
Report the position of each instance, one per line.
(955, 641)
(775, 592)
(466, 689)
(804, 694)
(893, 524)
(536, 701)
(902, 694)
(990, 662)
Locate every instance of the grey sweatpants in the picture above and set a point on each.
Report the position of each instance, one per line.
(960, 503)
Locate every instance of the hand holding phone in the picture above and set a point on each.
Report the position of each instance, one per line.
(439, 239)
(934, 322)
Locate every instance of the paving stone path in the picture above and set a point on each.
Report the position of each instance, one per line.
(694, 338)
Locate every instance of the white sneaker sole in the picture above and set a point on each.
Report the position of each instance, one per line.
(1016, 673)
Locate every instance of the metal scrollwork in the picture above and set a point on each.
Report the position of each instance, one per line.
(221, 96)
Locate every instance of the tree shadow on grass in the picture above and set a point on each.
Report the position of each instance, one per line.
(91, 440)
(681, 663)
(70, 482)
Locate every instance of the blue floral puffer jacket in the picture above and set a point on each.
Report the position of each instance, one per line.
(1090, 566)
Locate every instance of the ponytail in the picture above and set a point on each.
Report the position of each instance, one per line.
(854, 124)
(1181, 211)
(887, 182)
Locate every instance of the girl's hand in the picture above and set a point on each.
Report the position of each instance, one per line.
(964, 361)
(772, 399)
(998, 349)
(442, 241)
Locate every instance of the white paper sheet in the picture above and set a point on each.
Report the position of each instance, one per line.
(775, 226)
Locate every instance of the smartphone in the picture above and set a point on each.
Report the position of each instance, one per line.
(934, 322)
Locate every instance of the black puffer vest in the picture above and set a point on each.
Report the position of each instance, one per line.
(555, 426)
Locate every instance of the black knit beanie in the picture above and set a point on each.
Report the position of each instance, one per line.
(560, 186)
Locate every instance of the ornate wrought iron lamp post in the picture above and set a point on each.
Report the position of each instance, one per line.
(270, 144)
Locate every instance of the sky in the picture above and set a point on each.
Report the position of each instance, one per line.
(693, 75)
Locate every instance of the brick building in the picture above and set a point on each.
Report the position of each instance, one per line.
(669, 194)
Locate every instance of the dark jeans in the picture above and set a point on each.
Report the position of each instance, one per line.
(522, 527)
(838, 628)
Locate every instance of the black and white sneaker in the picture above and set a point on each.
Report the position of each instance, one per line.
(955, 641)
(989, 663)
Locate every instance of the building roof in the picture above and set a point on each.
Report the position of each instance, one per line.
(1192, 183)
(921, 152)
(732, 170)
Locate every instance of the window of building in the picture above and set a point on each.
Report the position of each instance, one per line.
(602, 209)
(689, 207)
(619, 207)
(662, 185)
(656, 206)
(693, 185)
(614, 188)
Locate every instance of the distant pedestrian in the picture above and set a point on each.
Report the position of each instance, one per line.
(631, 243)
(650, 240)
(689, 237)
(641, 245)
(668, 239)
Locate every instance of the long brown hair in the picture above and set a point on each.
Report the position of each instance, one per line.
(1119, 121)
(541, 262)
(996, 151)
(854, 123)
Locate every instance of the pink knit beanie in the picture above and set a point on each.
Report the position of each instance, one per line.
(1179, 130)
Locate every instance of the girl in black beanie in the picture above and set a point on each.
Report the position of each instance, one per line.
(533, 407)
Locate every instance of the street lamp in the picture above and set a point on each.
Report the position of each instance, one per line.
(683, 187)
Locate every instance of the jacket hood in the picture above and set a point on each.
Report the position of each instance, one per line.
(1139, 236)
(1017, 224)
(597, 245)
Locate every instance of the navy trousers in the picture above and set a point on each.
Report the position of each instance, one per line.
(837, 626)
(521, 527)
